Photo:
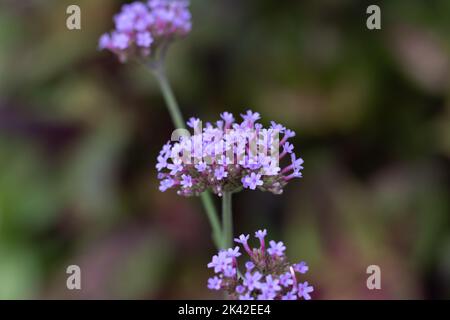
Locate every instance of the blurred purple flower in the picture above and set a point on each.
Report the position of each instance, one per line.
(268, 275)
(220, 262)
(252, 181)
(304, 290)
(276, 248)
(214, 283)
(301, 267)
(141, 28)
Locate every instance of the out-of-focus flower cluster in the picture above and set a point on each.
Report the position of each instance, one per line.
(140, 28)
(267, 275)
(228, 156)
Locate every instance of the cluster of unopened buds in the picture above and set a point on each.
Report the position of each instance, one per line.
(228, 156)
(267, 276)
(141, 28)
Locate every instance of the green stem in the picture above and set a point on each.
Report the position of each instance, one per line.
(169, 97)
(212, 217)
(177, 119)
(227, 220)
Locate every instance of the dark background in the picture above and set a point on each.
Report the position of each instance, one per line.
(80, 132)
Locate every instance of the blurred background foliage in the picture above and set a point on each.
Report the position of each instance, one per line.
(79, 135)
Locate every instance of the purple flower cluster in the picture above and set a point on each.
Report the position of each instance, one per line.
(228, 156)
(268, 275)
(141, 27)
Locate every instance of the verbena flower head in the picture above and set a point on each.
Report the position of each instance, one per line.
(267, 275)
(228, 156)
(143, 27)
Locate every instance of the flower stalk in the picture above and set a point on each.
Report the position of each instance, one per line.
(169, 97)
(177, 119)
(227, 220)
